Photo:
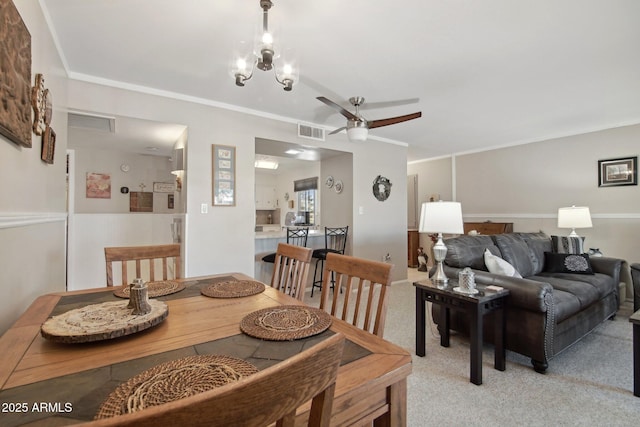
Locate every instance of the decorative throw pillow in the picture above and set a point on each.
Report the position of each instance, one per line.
(497, 265)
(567, 245)
(567, 263)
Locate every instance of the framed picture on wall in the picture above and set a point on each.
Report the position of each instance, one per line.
(223, 161)
(15, 90)
(615, 172)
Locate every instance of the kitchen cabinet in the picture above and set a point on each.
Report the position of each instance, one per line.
(266, 197)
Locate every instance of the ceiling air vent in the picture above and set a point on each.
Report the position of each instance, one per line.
(306, 131)
(90, 121)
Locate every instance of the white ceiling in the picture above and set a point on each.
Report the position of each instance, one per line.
(487, 73)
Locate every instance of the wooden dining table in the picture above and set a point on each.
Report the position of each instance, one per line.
(63, 383)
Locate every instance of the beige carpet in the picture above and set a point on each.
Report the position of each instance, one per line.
(589, 384)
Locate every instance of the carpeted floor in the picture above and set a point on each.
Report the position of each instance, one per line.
(589, 384)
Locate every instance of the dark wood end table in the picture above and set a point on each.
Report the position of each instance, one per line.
(476, 306)
(635, 319)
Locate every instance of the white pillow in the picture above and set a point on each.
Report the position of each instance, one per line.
(497, 265)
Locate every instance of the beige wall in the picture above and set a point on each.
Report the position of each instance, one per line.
(337, 208)
(33, 208)
(526, 184)
(144, 169)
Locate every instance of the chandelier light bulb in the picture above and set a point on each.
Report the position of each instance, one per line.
(267, 38)
(287, 70)
(241, 64)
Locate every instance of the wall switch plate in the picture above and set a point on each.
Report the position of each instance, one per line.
(204, 208)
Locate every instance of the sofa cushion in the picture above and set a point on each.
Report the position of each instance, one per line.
(567, 244)
(468, 251)
(516, 252)
(497, 265)
(538, 243)
(567, 263)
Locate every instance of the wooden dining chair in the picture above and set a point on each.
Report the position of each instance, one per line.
(291, 269)
(271, 395)
(365, 282)
(149, 260)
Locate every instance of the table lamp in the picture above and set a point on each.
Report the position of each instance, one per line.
(574, 217)
(441, 217)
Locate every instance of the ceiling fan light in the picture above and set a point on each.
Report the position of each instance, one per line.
(357, 134)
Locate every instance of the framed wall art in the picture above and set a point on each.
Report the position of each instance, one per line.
(98, 185)
(15, 81)
(615, 172)
(48, 145)
(223, 172)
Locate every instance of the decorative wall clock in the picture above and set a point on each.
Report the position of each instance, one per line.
(381, 188)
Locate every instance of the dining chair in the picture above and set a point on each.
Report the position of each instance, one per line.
(291, 269)
(268, 396)
(162, 259)
(366, 282)
(335, 241)
(295, 236)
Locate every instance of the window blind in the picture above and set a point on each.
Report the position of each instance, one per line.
(306, 184)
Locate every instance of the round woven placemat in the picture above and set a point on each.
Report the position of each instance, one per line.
(154, 289)
(103, 321)
(233, 289)
(174, 380)
(285, 323)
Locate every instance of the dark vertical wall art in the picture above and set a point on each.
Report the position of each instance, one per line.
(15, 76)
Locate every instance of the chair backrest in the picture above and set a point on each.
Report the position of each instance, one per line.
(147, 257)
(335, 239)
(297, 236)
(291, 269)
(270, 395)
(371, 279)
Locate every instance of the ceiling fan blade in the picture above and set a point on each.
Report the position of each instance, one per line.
(348, 114)
(393, 120)
(337, 130)
(387, 104)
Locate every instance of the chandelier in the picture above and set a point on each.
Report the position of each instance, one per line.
(263, 57)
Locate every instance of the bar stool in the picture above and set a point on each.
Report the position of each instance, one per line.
(335, 241)
(295, 236)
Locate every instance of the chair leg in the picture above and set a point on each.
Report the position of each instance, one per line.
(315, 271)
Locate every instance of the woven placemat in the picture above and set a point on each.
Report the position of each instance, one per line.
(154, 289)
(233, 289)
(174, 380)
(103, 321)
(285, 323)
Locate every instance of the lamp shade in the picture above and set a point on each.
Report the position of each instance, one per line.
(441, 217)
(574, 217)
(357, 133)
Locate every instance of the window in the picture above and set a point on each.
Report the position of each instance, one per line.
(307, 206)
(306, 190)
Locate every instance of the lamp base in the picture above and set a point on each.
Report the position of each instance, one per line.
(439, 254)
(439, 278)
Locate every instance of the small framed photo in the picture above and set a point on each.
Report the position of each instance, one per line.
(615, 172)
(224, 175)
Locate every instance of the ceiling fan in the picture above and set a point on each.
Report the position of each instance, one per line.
(357, 126)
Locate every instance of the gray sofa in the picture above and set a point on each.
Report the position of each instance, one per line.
(547, 311)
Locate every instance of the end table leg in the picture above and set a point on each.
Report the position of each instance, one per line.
(475, 335)
(636, 359)
(444, 325)
(420, 323)
(499, 350)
